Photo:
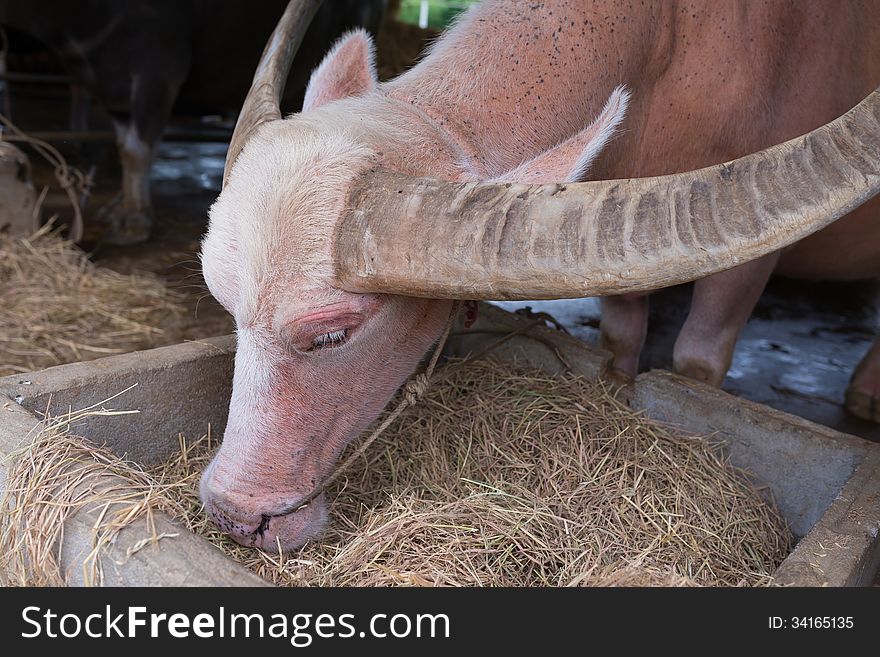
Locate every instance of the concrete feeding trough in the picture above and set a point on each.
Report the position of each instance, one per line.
(826, 484)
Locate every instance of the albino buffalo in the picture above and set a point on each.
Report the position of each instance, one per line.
(343, 233)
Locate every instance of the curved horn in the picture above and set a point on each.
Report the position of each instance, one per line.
(429, 238)
(263, 102)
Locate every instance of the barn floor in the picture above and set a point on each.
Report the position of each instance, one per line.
(796, 354)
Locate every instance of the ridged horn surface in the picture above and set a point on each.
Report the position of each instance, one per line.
(430, 238)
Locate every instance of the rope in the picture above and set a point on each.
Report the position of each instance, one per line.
(414, 390)
(70, 179)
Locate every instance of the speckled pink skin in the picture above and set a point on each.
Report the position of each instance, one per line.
(709, 81)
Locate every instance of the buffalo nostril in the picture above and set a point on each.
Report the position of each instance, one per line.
(243, 532)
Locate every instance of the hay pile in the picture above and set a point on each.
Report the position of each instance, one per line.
(503, 477)
(58, 307)
(53, 478)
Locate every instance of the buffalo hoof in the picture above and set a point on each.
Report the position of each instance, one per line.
(864, 402)
(863, 393)
(618, 377)
(124, 225)
(702, 370)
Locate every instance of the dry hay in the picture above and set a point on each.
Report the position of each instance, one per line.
(58, 307)
(53, 477)
(499, 477)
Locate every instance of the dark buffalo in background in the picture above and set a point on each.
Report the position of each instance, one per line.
(142, 59)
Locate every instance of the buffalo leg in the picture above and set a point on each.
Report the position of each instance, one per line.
(863, 393)
(720, 307)
(80, 104)
(131, 216)
(623, 328)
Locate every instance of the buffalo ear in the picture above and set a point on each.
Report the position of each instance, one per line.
(569, 160)
(349, 69)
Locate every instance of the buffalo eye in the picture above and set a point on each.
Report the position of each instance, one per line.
(330, 339)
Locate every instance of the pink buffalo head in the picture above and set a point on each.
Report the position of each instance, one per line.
(315, 363)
